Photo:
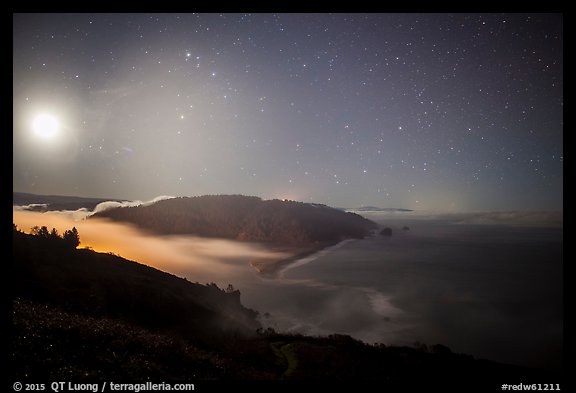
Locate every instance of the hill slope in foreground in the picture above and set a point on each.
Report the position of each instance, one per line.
(84, 316)
(245, 218)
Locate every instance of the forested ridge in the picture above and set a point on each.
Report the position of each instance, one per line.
(245, 218)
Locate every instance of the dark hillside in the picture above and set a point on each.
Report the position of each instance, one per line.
(107, 285)
(245, 218)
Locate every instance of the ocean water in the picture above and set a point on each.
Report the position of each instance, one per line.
(492, 291)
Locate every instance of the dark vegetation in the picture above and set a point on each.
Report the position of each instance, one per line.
(50, 269)
(84, 316)
(69, 239)
(245, 218)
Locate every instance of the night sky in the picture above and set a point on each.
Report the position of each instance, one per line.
(450, 112)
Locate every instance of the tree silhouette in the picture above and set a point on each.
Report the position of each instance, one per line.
(71, 237)
(54, 233)
(43, 232)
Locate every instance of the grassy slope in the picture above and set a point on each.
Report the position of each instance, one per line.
(100, 284)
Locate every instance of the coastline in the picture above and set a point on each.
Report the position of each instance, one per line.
(274, 268)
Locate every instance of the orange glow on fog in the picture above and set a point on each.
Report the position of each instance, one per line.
(168, 253)
(100, 235)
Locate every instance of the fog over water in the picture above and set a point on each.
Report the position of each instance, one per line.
(493, 291)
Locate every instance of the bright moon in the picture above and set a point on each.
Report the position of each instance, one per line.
(45, 126)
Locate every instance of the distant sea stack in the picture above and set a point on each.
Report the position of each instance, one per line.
(386, 232)
(245, 218)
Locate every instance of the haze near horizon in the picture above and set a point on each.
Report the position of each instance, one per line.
(431, 112)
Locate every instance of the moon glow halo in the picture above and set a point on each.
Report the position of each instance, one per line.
(45, 126)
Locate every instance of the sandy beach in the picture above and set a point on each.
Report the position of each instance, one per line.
(271, 267)
(275, 268)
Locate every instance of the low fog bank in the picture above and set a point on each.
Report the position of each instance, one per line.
(511, 218)
(84, 212)
(545, 219)
(203, 260)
